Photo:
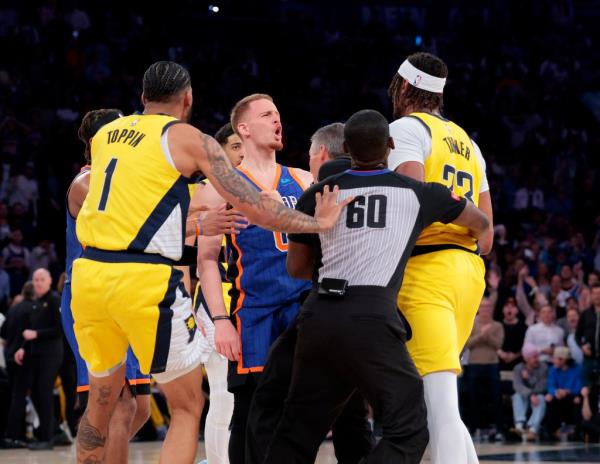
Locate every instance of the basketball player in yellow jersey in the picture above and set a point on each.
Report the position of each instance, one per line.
(132, 224)
(445, 276)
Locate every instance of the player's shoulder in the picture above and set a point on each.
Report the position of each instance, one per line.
(305, 177)
(401, 181)
(409, 125)
(80, 184)
(178, 128)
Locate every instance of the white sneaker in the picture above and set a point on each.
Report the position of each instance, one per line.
(518, 429)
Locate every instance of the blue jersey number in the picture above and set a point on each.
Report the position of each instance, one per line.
(110, 170)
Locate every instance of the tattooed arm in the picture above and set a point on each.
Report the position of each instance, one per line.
(194, 151)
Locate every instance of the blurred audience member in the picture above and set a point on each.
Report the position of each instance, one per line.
(482, 373)
(529, 382)
(563, 400)
(545, 335)
(514, 334)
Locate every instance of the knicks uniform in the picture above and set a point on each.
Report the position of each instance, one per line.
(138, 382)
(126, 291)
(445, 277)
(264, 298)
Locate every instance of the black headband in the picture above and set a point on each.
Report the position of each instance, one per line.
(109, 117)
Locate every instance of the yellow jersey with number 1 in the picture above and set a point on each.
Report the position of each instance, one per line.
(137, 201)
(453, 162)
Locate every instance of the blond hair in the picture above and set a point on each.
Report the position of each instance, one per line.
(242, 106)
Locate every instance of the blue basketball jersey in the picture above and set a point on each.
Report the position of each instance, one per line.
(257, 263)
(74, 248)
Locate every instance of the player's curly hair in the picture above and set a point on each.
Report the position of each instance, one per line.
(414, 97)
(92, 122)
(163, 80)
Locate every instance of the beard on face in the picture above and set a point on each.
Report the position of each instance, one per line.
(277, 146)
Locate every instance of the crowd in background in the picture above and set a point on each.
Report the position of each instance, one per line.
(523, 82)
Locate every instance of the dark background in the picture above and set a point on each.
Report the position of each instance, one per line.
(524, 82)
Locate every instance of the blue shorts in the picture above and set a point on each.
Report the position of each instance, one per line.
(138, 382)
(259, 327)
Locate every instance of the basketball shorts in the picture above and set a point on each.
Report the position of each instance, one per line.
(139, 383)
(441, 292)
(118, 303)
(259, 327)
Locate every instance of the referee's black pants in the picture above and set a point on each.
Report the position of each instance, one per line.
(344, 345)
(352, 435)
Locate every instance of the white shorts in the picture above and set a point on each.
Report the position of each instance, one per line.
(188, 347)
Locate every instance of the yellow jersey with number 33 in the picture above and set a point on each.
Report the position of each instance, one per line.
(137, 200)
(452, 162)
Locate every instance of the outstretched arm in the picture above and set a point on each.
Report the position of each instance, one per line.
(207, 156)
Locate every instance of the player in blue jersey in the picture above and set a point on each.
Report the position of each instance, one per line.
(264, 298)
(133, 407)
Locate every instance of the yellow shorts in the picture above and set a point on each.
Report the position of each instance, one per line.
(142, 305)
(440, 295)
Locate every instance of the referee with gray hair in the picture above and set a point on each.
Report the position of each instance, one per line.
(350, 336)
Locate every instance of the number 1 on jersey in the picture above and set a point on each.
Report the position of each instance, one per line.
(109, 171)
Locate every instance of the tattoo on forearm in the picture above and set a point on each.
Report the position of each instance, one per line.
(104, 395)
(288, 220)
(89, 437)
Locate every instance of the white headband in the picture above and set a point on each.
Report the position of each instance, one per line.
(420, 79)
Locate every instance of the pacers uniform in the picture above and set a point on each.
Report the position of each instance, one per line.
(444, 280)
(126, 291)
(138, 382)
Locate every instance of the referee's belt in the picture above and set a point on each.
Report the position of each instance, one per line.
(188, 257)
(424, 249)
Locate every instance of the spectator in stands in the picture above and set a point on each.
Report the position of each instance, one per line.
(4, 286)
(24, 189)
(545, 335)
(569, 286)
(514, 334)
(563, 400)
(529, 383)
(569, 324)
(43, 255)
(482, 373)
(18, 368)
(590, 413)
(588, 338)
(4, 225)
(539, 299)
(16, 261)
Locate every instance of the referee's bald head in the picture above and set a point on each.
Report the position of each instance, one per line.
(367, 138)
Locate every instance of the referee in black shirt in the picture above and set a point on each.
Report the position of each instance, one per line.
(350, 336)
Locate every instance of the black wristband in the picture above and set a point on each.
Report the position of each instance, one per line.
(220, 318)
